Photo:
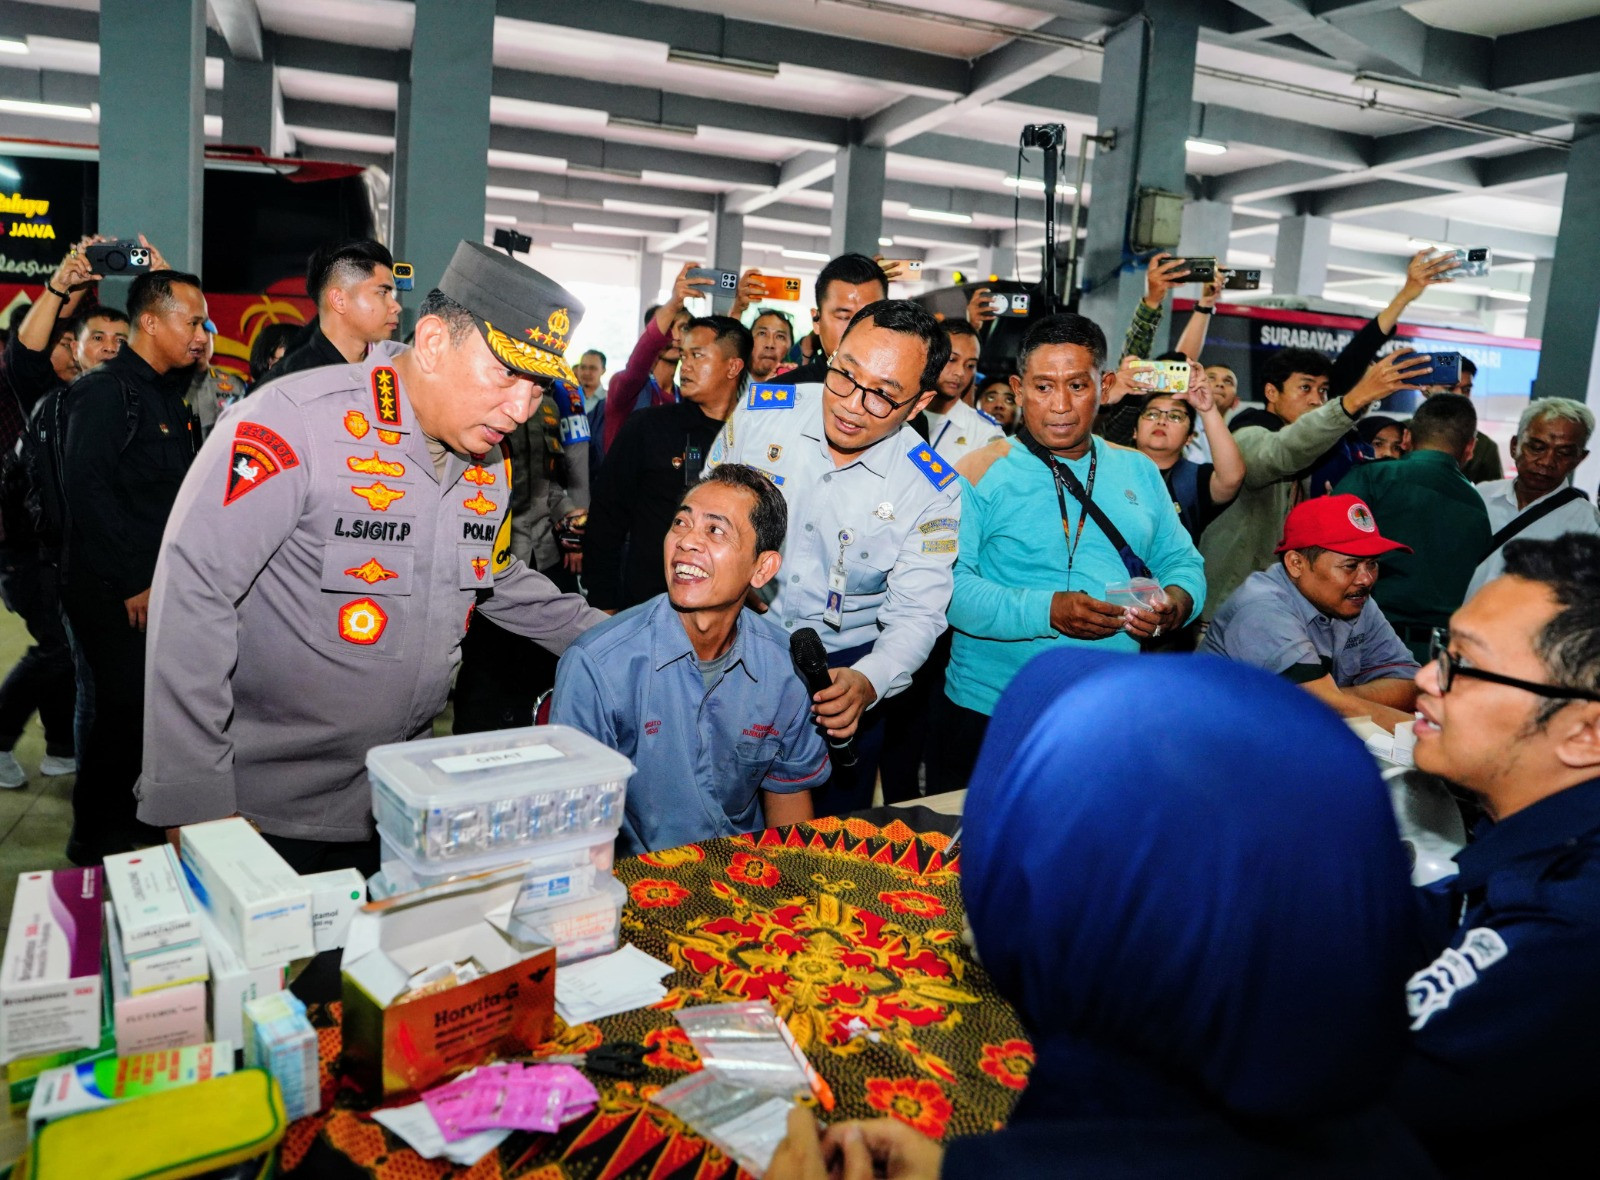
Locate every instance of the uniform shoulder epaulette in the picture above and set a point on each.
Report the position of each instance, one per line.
(770, 395)
(310, 384)
(988, 419)
(934, 466)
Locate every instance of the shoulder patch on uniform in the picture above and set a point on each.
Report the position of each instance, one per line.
(928, 461)
(940, 524)
(768, 395)
(941, 545)
(259, 453)
(1431, 989)
(386, 395)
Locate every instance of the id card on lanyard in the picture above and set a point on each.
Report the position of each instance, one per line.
(833, 609)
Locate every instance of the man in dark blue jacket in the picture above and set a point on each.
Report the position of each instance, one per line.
(1502, 1078)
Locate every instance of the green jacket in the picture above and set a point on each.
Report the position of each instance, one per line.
(1241, 540)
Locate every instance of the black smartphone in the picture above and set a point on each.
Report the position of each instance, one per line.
(120, 256)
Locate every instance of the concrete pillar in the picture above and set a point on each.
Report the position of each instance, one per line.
(252, 104)
(997, 260)
(443, 153)
(1206, 229)
(857, 220)
(1567, 365)
(1539, 297)
(1300, 260)
(725, 237)
(656, 273)
(152, 106)
(1148, 72)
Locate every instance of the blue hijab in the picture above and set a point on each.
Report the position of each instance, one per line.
(1186, 875)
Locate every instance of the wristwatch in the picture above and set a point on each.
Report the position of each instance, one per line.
(1204, 310)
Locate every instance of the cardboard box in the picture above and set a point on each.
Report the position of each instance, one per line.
(89, 1085)
(165, 967)
(394, 1045)
(232, 983)
(258, 902)
(280, 1040)
(50, 977)
(154, 908)
(167, 1018)
(335, 897)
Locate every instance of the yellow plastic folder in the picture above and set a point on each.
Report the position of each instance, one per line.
(166, 1136)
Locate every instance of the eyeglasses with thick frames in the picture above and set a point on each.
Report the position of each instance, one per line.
(1450, 666)
(873, 401)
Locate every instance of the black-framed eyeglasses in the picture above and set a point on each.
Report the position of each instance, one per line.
(1450, 666)
(873, 401)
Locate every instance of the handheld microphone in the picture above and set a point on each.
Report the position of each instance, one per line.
(811, 665)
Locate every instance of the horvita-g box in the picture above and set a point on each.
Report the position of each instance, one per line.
(232, 983)
(50, 978)
(89, 1085)
(154, 908)
(166, 1018)
(395, 1045)
(335, 897)
(258, 902)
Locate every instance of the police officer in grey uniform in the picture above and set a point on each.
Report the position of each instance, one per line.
(874, 513)
(326, 555)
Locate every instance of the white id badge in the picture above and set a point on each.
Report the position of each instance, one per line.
(833, 612)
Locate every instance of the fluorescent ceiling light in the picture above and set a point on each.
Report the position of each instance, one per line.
(616, 231)
(511, 194)
(806, 255)
(50, 110)
(940, 215)
(599, 170)
(1204, 147)
(739, 65)
(885, 241)
(651, 125)
(1029, 185)
(13, 45)
(579, 248)
(764, 247)
(499, 219)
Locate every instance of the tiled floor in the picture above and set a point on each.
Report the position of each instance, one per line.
(34, 820)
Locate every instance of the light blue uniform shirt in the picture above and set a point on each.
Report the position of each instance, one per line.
(633, 683)
(1014, 560)
(1270, 624)
(900, 503)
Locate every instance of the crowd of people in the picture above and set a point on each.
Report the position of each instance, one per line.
(233, 595)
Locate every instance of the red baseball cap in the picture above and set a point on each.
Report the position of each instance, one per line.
(1342, 524)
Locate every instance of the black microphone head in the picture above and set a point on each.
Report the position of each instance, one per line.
(806, 650)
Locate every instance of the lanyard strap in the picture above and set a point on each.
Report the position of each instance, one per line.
(1066, 481)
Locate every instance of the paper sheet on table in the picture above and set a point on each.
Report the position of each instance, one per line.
(604, 986)
(415, 1124)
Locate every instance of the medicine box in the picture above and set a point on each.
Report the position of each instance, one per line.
(280, 1040)
(335, 897)
(154, 909)
(257, 901)
(233, 984)
(50, 979)
(580, 928)
(22, 1073)
(165, 1018)
(89, 1085)
(395, 1042)
(557, 871)
(461, 797)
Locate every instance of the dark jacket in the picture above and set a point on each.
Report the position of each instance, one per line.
(25, 377)
(654, 459)
(119, 488)
(313, 352)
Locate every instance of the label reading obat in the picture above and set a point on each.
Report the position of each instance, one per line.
(462, 763)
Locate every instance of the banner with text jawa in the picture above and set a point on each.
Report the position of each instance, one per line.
(238, 317)
(41, 216)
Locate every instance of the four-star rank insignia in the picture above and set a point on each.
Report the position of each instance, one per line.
(371, 572)
(386, 395)
(480, 505)
(375, 466)
(378, 495)
(480, 566)
(478, 474)
(362, 621)
(258, 455)
(356, 423)
(928, 461)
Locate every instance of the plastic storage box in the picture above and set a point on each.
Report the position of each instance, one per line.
(578, 929)
(458, 798)
(556, 872)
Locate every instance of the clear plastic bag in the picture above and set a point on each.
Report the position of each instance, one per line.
(744, 1122)
(747, 1042)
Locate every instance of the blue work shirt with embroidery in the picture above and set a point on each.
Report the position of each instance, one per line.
(703, 755)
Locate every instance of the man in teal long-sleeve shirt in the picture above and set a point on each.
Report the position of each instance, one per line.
(1032, 566)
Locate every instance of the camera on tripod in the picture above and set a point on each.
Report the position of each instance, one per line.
(1048, 136)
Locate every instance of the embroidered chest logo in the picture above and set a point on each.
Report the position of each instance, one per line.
(480, 505)
(651, 728)
(1128, 492)
(371, 572)
(386, 395)
(356, 423)
(375, 466)
(389, 436)
(258, 455)
(478, 475)
(774, 453)
(379, 495)
(362, 622)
